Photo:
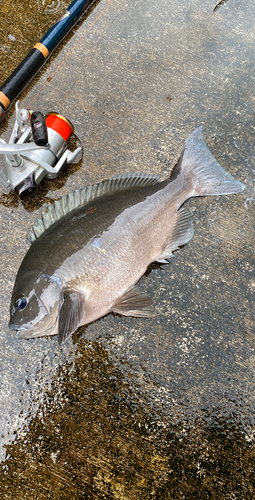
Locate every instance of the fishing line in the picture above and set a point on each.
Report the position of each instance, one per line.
(70, 52)
(95, 49)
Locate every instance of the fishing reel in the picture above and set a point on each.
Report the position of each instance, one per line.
(37, 148)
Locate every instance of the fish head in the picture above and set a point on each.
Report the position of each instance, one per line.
(35, 304)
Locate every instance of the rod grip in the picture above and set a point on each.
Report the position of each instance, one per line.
(20, 77)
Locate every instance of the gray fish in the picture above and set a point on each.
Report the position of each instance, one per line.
(92, 246)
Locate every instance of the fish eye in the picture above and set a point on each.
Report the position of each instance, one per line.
(20, 302)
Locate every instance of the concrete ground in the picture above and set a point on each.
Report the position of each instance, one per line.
(142, 408)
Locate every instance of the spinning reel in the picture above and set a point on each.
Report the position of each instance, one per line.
(37, 148)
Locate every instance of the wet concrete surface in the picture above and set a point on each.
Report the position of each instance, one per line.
(143, 408)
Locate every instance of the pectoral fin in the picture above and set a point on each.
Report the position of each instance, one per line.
(134, 303)
(71, 314)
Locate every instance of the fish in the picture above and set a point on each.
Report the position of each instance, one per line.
(91, 247)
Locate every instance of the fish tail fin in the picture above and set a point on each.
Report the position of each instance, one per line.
(198, 163)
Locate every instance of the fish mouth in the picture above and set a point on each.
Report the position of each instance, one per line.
(29, 333)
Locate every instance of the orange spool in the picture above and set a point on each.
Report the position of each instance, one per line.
(60, 124)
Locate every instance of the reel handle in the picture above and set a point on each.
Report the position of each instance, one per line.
(39, 128)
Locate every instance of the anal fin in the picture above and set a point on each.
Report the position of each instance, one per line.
(134, 303)
(182, 232)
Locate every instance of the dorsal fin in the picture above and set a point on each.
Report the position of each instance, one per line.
(81, 197)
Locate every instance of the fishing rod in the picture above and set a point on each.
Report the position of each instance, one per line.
(35, 59)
